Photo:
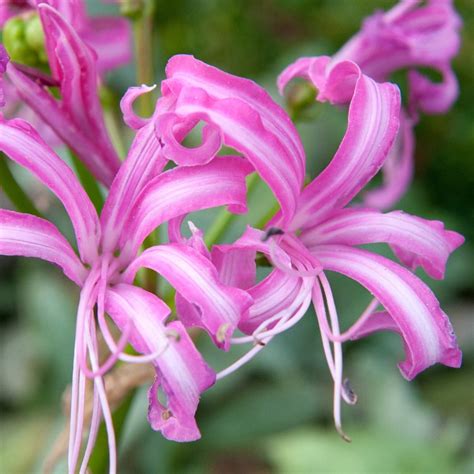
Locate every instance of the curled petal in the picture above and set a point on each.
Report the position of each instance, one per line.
(406, 36)
(372, 126)
(186, 189)
(423, 325)
(126, 105)
(29, 236)
(187, 71)
(251, 122)
(20, 142)
(181, 371)
(195, 278)
(416, 241)
(180, 154)
(432, 97)
(397, 169)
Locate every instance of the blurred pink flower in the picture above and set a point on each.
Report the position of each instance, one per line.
(411, 35)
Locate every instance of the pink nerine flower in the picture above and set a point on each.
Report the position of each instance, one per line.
(412, 34)
(77, 55)
(324, 234)
(106, 264)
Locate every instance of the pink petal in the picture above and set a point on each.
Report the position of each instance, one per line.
(144, 161)
(183, 190)
(406, 36)
(126, 105)
(250, 122)
(271, 296)
(20, 142)
(187, 71)
(372, 126)
(180, 370)
(416, 241)
(29, 236)
(180, 154)
(196, 279)
(424, 326)
(397, 169)
(432, 97)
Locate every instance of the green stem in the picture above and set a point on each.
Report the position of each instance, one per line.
(99, 458)
(225, 218)
(114, 131)
(13, 190)
(142, 32)
(88, 182)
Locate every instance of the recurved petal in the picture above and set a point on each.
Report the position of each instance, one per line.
(220, 307)
(181, 372)
(415, 241)
(373, 122)
(425, 328)
(29, 236)
(407, 35)
(185, 71)
(20, 142)
(397, 169)
(126, 106)
(432, 97)
(183, 190)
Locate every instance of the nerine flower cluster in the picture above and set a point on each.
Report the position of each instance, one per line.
(317, 228)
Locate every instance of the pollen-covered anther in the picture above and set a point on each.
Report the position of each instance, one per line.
(351, 397)
(343, 435)
(272, 231)
(166, 415)
(222, 332)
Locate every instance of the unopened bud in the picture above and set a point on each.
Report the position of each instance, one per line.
(34, 34)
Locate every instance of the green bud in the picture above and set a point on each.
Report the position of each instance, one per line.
(34, 34)
(13, 32)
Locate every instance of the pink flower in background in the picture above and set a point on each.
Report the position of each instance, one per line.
(411, 35)
(105, 267)
(324, 235)
(77, 117)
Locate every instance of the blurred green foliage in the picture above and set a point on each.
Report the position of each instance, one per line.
(275, 414)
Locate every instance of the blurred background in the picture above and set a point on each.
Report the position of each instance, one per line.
(274, 415)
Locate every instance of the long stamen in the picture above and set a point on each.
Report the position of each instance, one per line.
(347, 335)
(338, 365)
(78, 380)
(255, 350)
(99, 385)
(349, 397)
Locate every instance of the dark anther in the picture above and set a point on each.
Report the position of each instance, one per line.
(271, 232)
(351, 395)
